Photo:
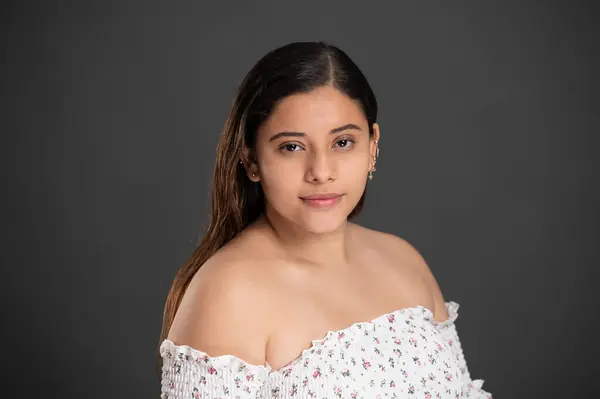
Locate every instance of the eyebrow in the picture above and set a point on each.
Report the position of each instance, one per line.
(301, 134)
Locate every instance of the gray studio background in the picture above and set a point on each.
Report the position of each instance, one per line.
(110, 116)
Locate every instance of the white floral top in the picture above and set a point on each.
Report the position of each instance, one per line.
(403, 354)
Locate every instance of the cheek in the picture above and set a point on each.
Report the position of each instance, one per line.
(354, 168)
(281, 178)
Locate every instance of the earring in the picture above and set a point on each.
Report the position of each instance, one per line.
(253, 173)
(373, 169)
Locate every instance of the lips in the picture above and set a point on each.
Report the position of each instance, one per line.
(321, 196)
(323, 201)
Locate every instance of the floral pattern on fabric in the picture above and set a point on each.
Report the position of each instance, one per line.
(402, 354)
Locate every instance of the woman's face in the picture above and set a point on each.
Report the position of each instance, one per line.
(314, 144)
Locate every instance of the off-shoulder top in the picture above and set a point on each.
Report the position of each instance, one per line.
(402, 354)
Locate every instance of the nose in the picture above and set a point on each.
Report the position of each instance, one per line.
(320, 168)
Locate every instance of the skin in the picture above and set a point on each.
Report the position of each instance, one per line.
(299, 272)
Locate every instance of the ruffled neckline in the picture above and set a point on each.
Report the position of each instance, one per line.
(169, 347)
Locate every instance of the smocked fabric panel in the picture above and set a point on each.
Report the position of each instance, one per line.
(402, 354)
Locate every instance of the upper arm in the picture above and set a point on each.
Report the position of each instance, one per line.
(414, 258)
(221, 313)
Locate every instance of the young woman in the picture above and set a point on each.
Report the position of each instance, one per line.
(284, 296)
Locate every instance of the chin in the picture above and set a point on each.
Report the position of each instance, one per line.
(316, 219)
(322, 222)
(322, 227)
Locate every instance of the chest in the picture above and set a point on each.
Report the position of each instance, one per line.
(397, 354)
(310, 310)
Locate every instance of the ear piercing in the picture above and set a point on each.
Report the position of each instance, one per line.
(373, 169)
(253, 173)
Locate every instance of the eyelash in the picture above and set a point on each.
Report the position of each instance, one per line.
(347, 139)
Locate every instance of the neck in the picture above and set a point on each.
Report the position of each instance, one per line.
(320, 249)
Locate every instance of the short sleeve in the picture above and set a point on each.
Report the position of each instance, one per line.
(450, 335)
(192, 374)
(470, 388)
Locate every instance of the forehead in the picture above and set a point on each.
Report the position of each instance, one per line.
(321, 109)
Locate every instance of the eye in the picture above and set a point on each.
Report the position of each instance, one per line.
(290, 147)
(345, 142)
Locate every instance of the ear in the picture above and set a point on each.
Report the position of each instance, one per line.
(373, 146)
(250, 164)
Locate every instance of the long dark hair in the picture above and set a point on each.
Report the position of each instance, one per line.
(237, 201)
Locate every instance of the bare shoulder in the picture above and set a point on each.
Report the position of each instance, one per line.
(400, 251)
(225, 311)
